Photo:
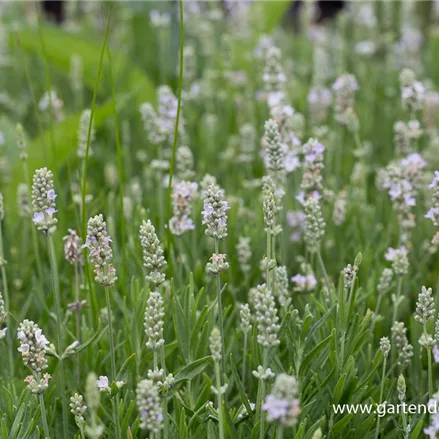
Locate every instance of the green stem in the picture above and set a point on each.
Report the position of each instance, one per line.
(165, 398)
(398, 295)
(177, 119)
(60, 332)
(261, 396)
(383, 377)
(44, 417)
(244, 360)
(430, 370)
(220, 400)
(322, 267)
(92, 110)
(112, 358)
(430, 374)
(120, 168)
(78, 318)
(34, 233)
(220, 311)
(7, 304)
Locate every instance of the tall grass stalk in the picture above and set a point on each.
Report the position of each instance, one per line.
(7, 303)
(397, 299)
(220, 400)
(120, 169)
(220, 310)
(177, 120)
(112, 359)
(60, 330)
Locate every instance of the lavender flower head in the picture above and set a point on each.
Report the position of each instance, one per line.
(266, 317)
(275, 151)
(304, 283)
(314, 225)
(319, 100)
(282, 404)
(43, 200)
(148, 403)
(433, 213)
(215, 212)
(33, 346)
(274, 77)
(402, 179)
(100, 253)
(153, 324)
(399, 260)
(153, 258)
(73, 247)
(183, 194)
(412, 91)
(271, 204)
(311, 185)
(344, 89)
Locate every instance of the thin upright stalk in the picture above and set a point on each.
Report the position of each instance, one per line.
(267, 275)
(7, 304)
(33, 230)
(44, 417)
(430, 370)
(323, 268)
(261, 397)
(244, 360)
(112, 358)
(396, 303)
(430, 374)
(165, 398)
(77, 317)
(60, 332)
(220, 310)
(220, 400)
(383, 377)
(120, 169)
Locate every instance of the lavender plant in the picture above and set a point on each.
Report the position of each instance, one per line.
(230, 103)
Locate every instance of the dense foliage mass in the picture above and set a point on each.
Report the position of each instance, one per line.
(214, 227)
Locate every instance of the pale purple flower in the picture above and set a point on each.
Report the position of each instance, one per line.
(183, 194)
(435, 183)
(38, 217)
(316, 150)
(436, 353)
(295, 219)
(433, 429)
(433, 214)
(102, 384)
(40, 338)
(304, 282)
(51, 194)
(392, 253)
(23, 348)
(301, 196)
(292, 162)
(275, 408)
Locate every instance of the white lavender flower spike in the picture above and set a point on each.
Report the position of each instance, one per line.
(153, 258)
(148, 403)
(43, 200)
(100, 253)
